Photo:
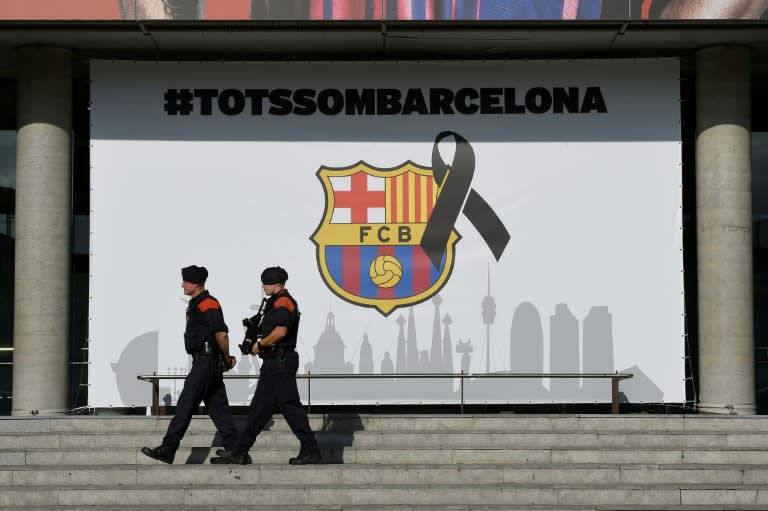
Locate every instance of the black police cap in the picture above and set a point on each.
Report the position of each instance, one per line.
(194, 274)
(274, 275)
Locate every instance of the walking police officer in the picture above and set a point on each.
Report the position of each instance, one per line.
(277, 380)
(206, 339)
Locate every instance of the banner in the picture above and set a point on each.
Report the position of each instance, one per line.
(434, 217)
(477, 10)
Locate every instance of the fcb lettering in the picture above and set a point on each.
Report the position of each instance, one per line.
(386, 101)
(386, 233)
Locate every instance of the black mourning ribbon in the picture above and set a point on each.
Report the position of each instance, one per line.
(454, 181)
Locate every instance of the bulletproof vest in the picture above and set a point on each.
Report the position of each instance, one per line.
(197, 332)
(268, 322)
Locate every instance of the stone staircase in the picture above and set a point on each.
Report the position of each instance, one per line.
(388, 462)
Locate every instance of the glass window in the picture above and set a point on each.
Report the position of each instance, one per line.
(78, 357)
(760, 263)
(7, 234)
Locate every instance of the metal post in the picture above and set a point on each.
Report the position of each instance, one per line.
(614, 395)
(155, 396)
(309, 391)
(462, 391)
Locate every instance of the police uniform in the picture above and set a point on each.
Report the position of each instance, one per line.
(204, 383)
(277, 386)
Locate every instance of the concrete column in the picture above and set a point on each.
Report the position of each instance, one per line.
(724, 231)
(43, 225)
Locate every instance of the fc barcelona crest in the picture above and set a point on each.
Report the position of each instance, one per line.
(386, 239)
(368, 242)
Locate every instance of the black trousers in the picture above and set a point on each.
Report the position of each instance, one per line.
(204, 383)
(277, 387)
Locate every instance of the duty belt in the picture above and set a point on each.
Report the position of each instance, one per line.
(205, 351)
(198, 355)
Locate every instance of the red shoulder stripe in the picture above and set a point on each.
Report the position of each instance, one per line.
(284, 302)
(208, 303)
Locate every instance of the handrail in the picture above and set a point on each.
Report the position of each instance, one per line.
(154, 379)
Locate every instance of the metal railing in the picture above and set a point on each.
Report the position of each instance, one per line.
(615, 378)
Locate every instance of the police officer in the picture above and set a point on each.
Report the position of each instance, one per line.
(277, 380)
(206, 339)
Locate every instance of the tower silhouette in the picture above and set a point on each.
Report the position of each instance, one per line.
(597, 339)
(526, 340)
(400, 366)
(366, 357)
(564, 352)
(436, 352)
(447, 345)
(412, 358)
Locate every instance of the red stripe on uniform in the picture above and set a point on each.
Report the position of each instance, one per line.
(284, 302)
(386, 292)
(421, 270)
(350, 273)
(207, 304)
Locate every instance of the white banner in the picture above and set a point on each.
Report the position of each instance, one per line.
(432, 216)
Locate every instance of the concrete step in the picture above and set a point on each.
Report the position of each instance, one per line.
(403, 423)
(378, 463)
(396, 507)
(600, 496)
(393, 475)
(412, 439)
(266, 454)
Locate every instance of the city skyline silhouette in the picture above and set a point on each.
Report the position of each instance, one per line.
(575, 346)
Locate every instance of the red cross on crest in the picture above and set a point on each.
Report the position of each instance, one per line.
(359, 198)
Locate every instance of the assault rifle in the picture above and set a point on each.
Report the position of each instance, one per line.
(252, 333)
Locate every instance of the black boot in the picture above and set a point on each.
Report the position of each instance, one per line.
(306, 458)
(160, 453)
(224, 457)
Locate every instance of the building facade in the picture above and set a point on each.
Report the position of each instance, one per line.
(46, 56)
